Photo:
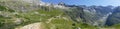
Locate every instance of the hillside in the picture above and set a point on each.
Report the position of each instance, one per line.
(16, 14)
(35, 14)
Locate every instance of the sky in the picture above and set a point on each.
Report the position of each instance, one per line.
(86, 2)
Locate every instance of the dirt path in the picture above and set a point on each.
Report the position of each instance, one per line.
(50, 19)
(33, 26)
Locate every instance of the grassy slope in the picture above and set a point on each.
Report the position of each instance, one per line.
(59, 21)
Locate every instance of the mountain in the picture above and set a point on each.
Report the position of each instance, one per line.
(96, 15)
(22, 14)
(16, 14)
(114, 17)
(92, 15)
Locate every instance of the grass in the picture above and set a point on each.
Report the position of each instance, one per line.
(3, 8)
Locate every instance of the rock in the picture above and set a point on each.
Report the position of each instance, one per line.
(18, 21)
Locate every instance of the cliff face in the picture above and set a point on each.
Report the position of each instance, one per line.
(97, 15)
(114, 18)
(92, 15)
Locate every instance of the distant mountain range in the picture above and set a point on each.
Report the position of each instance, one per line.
(92, 15)
(97, 15)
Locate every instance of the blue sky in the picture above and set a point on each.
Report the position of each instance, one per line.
(86, 2)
